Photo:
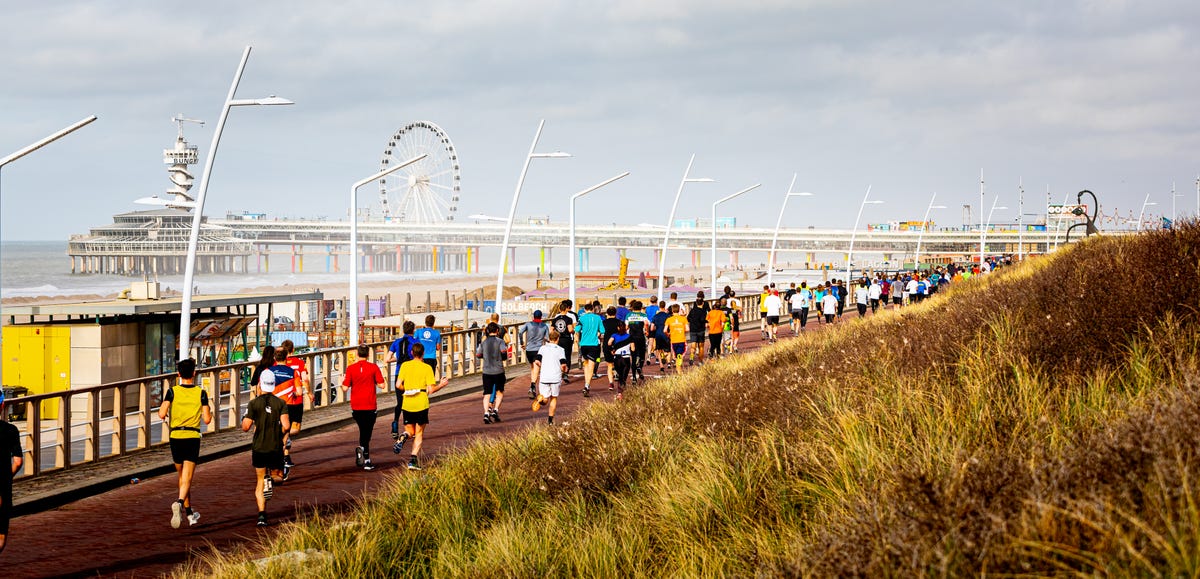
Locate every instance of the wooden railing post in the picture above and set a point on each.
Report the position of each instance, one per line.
(62, 458)
(33, 413)
(120, 422)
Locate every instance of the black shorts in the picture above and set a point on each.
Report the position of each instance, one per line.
(772, 320)
(897, 299)
(590, 353)
(737, 323)
(679, 348)
(271, 460)
(608, 355)
(296, 413)
(662, 342)
(185, 449)
(796, 314)
(532, 356)
(416, 417)
(432, 363)
(493, 382)
(697, 337)
(5, 508)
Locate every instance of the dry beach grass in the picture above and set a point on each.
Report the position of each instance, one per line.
(1040, 421)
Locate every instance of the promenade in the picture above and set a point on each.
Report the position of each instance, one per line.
(92, 521)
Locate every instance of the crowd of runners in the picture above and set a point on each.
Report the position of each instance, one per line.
(624, 339)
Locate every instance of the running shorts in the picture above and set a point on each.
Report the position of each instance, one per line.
(897, 299)
(679, 348)
(532, 356)
(269, 460)
(432, 363)
(591, 353)
(185, 449)
(772, 320)
(493, 382)
(5, 510)
(417, 417)
(548, 389)
(608, 355)
(662, 343)
(697, 337)
(796, 314)
(296, 413)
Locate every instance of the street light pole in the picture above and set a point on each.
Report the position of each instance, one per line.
(512, 212)
(924, 226)
(854, 232)
(1021, 220)
(571, 278)
(35, 146)
(986, 225)
(981, 236)
(662, 256)
(1142, 215)
(189, 272)
(714, 233)
(778, 222)
(354, 260)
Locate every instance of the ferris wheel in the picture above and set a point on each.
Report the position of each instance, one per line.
(426, 191)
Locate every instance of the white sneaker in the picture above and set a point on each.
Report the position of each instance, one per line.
(193, 518)
(176, 514)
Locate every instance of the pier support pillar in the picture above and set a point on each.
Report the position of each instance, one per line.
(695, 258)
(733, 258)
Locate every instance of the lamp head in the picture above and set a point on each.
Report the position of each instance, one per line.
(699, 180)
(554, 155)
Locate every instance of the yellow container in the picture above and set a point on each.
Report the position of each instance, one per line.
(38, 358)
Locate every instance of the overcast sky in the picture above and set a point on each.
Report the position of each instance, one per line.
(909, 97)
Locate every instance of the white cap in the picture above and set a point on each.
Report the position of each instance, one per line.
(266, 381)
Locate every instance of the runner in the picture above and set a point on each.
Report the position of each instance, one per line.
(564, 323)
(533, 334)
(735, 319)
(873, 293)
(418, 382)
(550, 375)
(620, 343)
(187, 405)
(590, 327)
(398, 353)
(638, 325)
(830, 304)
(773, 306)
(493, 351)
(622, 311)
(267, 415)
(610, 325)
(362, 380)
(716, 328)
(285, 388)
(674, 301)
(697, 318)
(677, 330)
(897, 291)
(11, 458)
(798, 303)
(861, 297)
(762, 311)
(295, 402)
(662, 341)
(266, 361)
(431, 339)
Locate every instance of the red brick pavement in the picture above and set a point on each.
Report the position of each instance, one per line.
(126, 531)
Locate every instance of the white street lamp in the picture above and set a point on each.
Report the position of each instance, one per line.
(482, 217)
(924, 226)
(981, 228)
(714, 234)
(662, 257)
(1142, 215)
(354, 260)
(189, 272)
(778, 222)
(571, 278)
(1174, 196)
(39, 144)
(854, 232)
(1021, 219)
(986, 225)
(512, 210)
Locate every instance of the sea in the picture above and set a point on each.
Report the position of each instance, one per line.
(30, 269)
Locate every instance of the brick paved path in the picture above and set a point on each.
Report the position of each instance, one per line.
(126, 531)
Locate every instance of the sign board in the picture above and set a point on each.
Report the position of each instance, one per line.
(1066, 212)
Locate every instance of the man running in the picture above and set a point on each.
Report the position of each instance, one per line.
(533, 334)
(873, 293)
(610, 326)
(658, 327)
(285, 389)
(431, 340)
(187, 405)
(550, 374)
(638, 324)
(797, 303)
(622, 310)
(861, 297)
(697, 318)
(267, 415)
(418, 382)
(829, 304)
(591, 325)
(762, 311)
(564, 323)
(295, 402)
(715, 320)
(735, 319)
(493, 351)
(398, 353)
(773, 306)
(11, 459)
(363, 379)
(677, 330)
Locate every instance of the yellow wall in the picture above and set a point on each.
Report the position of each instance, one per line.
(38, 358)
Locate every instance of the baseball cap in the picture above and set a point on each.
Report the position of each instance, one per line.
(266, 381)
(537, 314)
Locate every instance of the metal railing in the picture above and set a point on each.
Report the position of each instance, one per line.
(64, 429)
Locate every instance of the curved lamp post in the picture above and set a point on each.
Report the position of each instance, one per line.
(571, 279)
(714, 233)
(854, 232)
(924, 226)
(189, 272)
(354, 263)
(983, 234)
(512, 211)
(662, 257)
(778, 222)
(1142, 215)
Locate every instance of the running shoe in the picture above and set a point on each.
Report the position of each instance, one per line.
(358, 457)
(287, 461)
(287, 471)
(532, 392)
(262, 519)
(268, 490)
(400, 442)
(495, 415)
(487, 418)
(193, 518)
(412, 464)
(395, 430)
(367, 466)
(586, 392)
(176, 514)
(537, 404)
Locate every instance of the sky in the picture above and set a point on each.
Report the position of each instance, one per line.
(909, 98)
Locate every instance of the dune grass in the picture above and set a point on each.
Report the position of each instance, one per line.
(1039, 421)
